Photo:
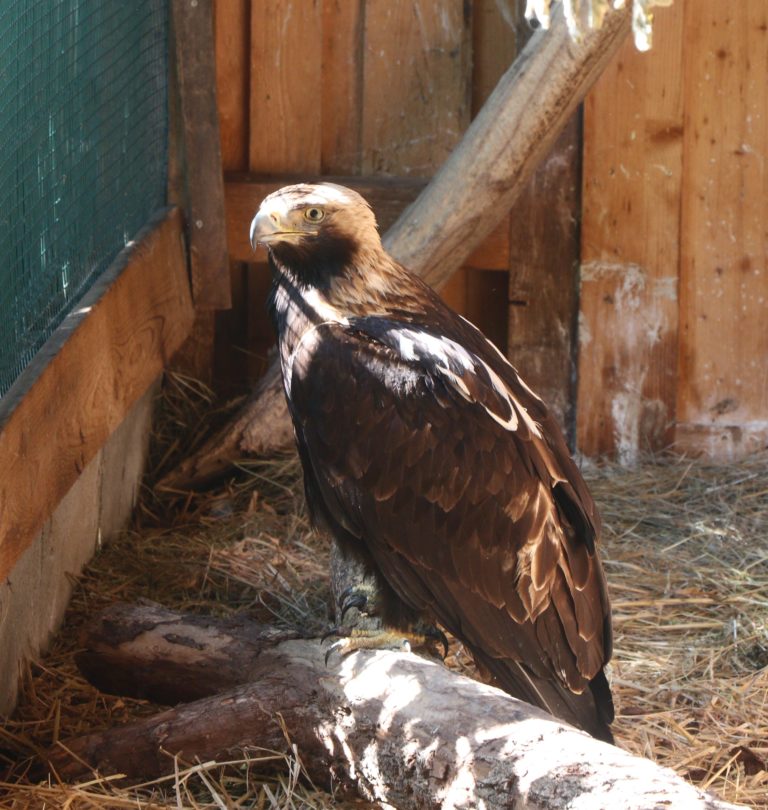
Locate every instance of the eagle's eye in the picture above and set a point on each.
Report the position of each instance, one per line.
(314, 214)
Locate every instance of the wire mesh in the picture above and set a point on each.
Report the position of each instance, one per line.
(83, 156)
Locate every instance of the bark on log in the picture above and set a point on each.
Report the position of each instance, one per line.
(149, 652)
(397, 728)
(462, 204)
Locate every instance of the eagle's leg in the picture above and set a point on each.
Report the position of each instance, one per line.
(369, 614)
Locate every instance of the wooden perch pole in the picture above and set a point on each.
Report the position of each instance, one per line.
(461, 205)
(392, 727)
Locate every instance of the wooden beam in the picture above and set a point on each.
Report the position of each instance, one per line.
(388, 196)
(633, 157)
(722, 393)
(88, 374)
(543, 277)
(204, 189)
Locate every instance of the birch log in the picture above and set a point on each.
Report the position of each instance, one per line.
(391, 727)
(461, 205)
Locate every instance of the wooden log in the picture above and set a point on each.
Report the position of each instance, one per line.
(149, 652)
(463, 202)
(260, 426)
(393, 727)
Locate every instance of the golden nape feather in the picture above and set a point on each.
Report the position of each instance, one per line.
(426, 456)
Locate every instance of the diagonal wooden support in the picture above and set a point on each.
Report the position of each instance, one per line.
(461, 205)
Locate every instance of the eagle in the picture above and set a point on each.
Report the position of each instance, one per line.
(427, 457)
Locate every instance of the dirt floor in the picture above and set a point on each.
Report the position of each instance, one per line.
(686, 554)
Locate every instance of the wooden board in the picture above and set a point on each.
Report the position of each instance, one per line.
(286, 86)
(723, 395)
(416, 84)
(543, 284)
(86, 377)
(232, 23)
(498, 35)
(204, 199)
(232, 37)
(342, 96)
(387, 195)
(633, 147)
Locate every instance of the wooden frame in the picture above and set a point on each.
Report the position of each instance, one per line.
(87, 376)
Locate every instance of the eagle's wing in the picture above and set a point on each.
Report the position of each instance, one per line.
(450, 471)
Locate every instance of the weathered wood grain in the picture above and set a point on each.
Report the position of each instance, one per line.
(286, 86)
(232, 22)
(722, 400)
(416, 84)
(633, 148)
(87, 375)
(502, 147)
(152, 653)
(543, 277)
(204, 189)
(342, 96)
(232, 37)
(499, 31)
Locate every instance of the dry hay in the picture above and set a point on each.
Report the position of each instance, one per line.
(687, 561)
(686, 557)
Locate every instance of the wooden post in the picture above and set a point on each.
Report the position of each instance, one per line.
(203, 191)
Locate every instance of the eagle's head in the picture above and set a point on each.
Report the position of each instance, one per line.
(317, 228)
(324, 237)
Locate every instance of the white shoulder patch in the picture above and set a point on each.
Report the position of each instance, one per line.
(452, 361)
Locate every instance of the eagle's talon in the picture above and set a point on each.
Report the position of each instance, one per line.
(337, 645)
(437, 635)
(355, 639)
(361, 597)
(354, 600)
(338, 630)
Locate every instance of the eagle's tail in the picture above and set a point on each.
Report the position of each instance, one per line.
(591, 711)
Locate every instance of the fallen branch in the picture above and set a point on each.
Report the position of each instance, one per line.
(397, 728)
(261, 426)
(149, 652)
(462, 204)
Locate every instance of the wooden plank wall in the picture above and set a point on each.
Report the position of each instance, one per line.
(674, 281)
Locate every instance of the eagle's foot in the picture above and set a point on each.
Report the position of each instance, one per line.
(385, 639)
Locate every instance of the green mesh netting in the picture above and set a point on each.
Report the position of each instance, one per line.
(83, 120)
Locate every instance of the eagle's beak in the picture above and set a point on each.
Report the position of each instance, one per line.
(262, 227)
